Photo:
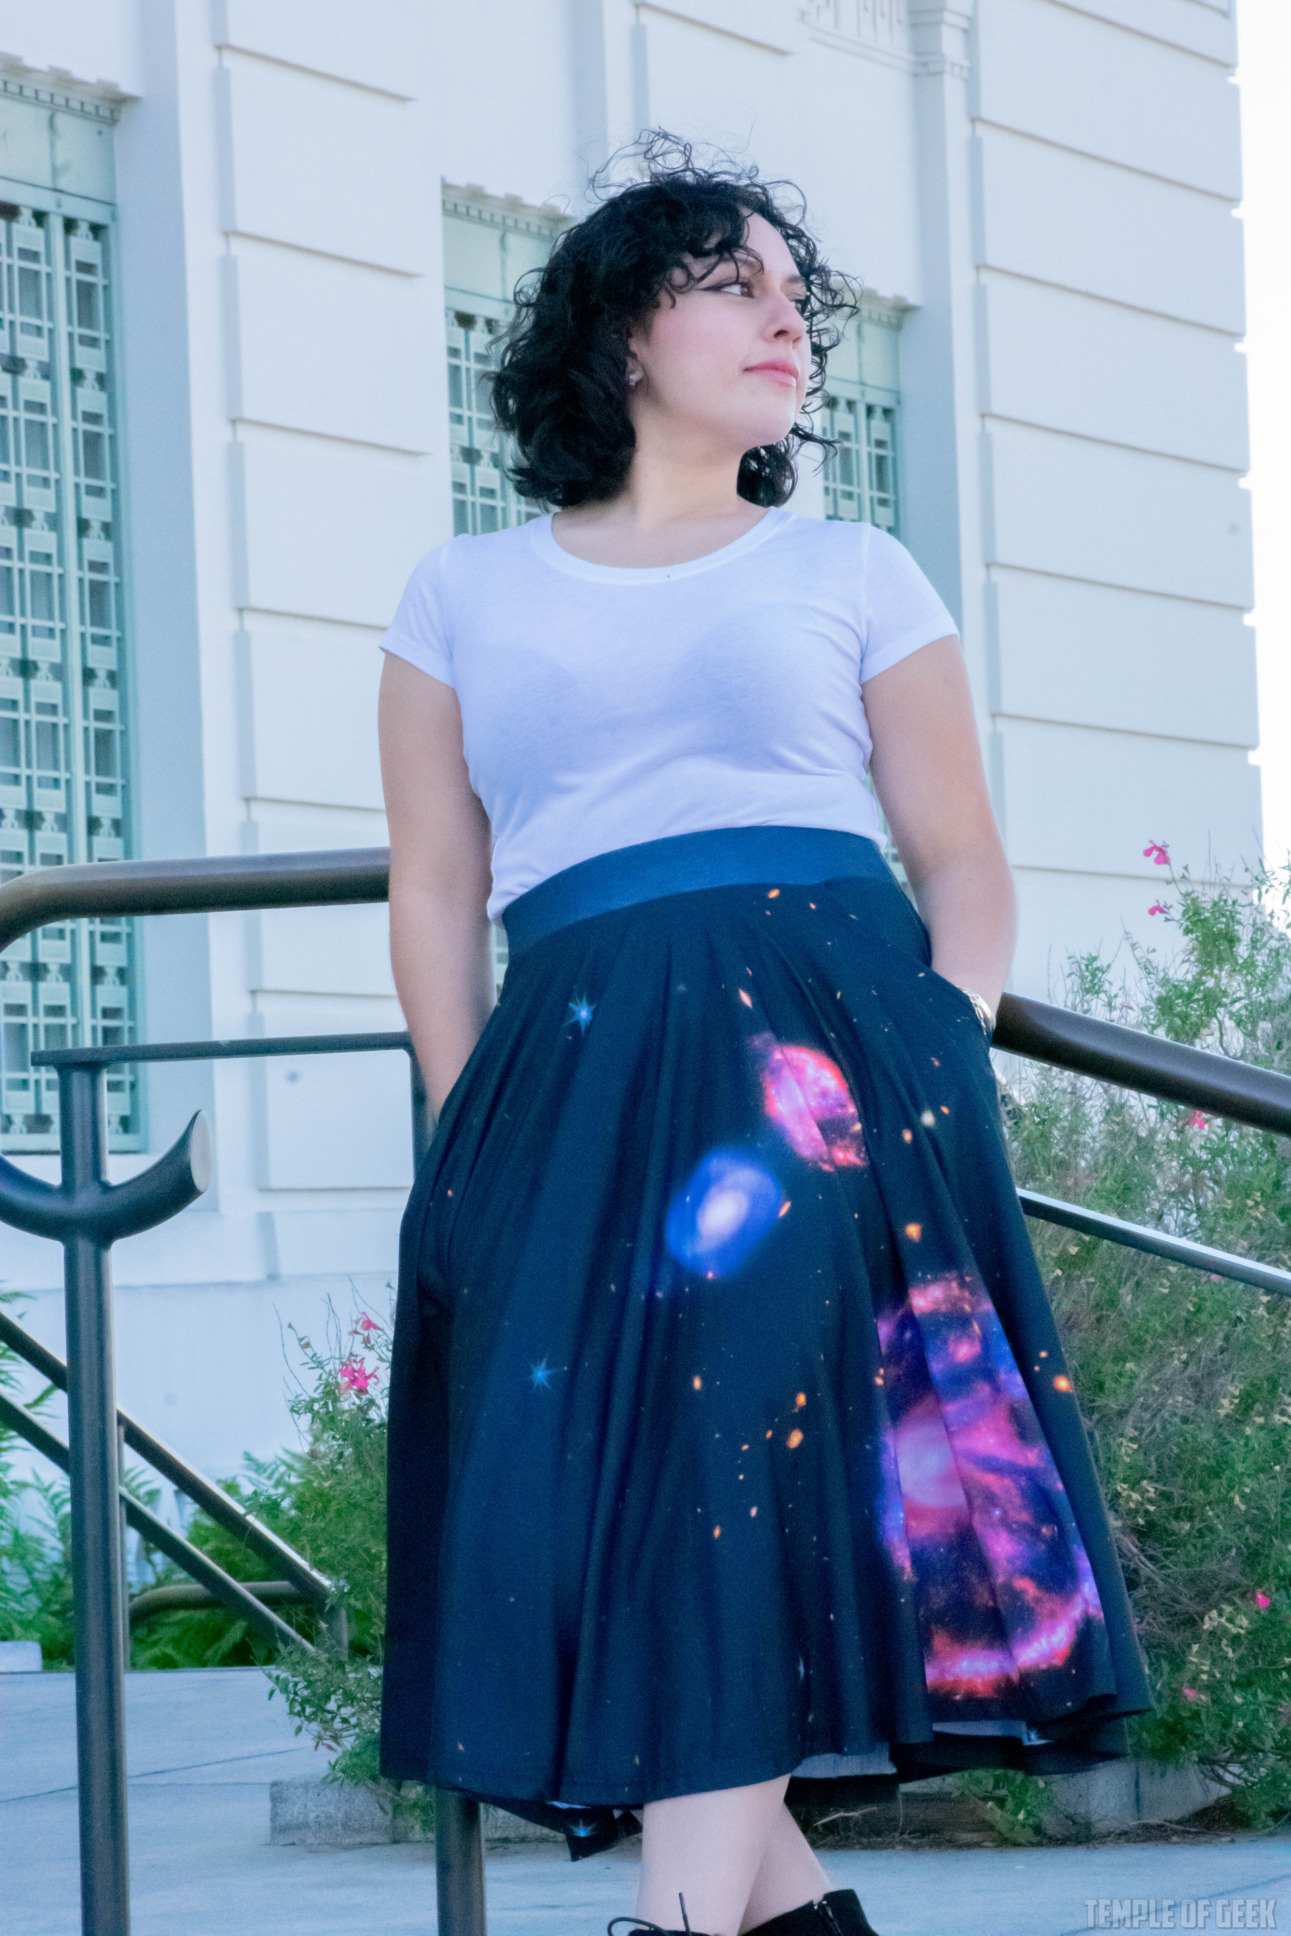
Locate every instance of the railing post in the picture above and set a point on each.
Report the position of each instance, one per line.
(459, 1864)
(125, 1546)
(423, 1117)
(87, 1214)
(99, 1623)
(459, 1836)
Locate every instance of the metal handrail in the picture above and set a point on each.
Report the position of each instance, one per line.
(205, 885)
(1040, 1031)
(85, 1202)
(313, 1586)
(227, 1047)
(1157, 1243)
(1218, 1085)
(221, 1585)
(186, 1596)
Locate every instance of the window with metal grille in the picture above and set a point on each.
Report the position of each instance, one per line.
(488, 246)
(859, 410)
(63, 766)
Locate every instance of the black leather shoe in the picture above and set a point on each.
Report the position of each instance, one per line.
(837, 1914)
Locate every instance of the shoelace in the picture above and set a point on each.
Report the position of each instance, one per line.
(657, 1928)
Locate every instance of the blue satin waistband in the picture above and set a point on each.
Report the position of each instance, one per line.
(680, 863)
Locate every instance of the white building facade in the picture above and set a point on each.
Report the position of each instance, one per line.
(252, 253)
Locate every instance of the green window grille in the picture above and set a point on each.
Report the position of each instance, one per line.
(63, 763)
(488, 246)
(860, 411)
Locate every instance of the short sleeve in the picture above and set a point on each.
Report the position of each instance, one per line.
(902, 611)
(418, 632)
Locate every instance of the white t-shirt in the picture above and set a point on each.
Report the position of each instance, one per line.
(604, 705)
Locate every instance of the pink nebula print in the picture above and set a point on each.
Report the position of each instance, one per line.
(807, 1098)
(974, 1513)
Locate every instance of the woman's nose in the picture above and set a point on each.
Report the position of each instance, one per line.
(790, 321)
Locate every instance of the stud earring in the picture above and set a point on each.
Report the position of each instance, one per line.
(634, 377)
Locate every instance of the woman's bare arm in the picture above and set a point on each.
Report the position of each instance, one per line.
(927, 772)
(439, 874)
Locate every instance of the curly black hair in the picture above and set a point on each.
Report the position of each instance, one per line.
(561, 390)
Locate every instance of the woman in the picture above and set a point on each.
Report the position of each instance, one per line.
(731, 1436)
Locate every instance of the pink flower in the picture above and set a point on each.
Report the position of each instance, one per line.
(354, 1376)
(1156, 853)
(1262, 1600)
(366, 1323)
(1191, 1694)
(1158, 907)
(1195, 1121)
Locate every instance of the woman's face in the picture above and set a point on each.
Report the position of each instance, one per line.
(726, 359)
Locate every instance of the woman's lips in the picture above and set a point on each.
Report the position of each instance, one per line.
(786, 373)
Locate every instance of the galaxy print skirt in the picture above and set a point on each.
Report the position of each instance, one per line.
(730, 1431)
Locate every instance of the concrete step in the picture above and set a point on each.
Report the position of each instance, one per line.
(314, 1813)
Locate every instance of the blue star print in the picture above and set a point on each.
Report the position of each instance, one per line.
(540, 1375)
(580, 1011)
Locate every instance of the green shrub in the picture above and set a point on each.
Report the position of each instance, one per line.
(327, 1500)
(1185, 1379)
(35, 1539)
(337, 1518)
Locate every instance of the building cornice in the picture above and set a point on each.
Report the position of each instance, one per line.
(878, 28)
(921, 36)
(503, 211)
(20, 84)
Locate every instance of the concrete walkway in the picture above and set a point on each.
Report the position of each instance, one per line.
(205, 1746)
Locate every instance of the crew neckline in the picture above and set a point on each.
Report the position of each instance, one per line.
(555, 554)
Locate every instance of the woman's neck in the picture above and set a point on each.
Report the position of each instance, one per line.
(664, 515)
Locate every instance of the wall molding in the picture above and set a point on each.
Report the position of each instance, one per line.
(768, 24)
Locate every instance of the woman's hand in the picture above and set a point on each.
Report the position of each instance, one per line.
(440, 877)
(927, 772)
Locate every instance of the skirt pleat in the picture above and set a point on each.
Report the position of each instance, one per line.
(730, 1431)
